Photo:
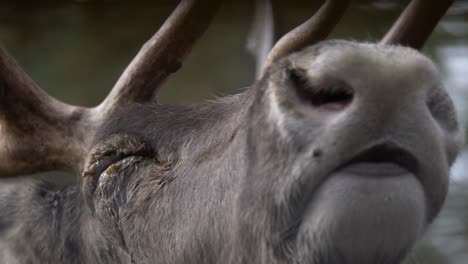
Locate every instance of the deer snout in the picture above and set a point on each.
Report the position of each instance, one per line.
(386, 133)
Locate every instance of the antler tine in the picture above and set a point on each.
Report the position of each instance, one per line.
(315, 29)
(416, 23)
(162, 54)
(37, 132)
(262, 34)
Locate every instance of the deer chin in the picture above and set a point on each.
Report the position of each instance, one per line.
(366, 213)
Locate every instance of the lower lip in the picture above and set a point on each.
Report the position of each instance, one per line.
(367, 207)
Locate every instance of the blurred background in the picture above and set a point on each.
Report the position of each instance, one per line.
(76, 50)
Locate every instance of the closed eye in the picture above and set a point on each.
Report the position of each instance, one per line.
(113, 150)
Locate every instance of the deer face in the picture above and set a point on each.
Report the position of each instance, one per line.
(352, 152)
(339, 154)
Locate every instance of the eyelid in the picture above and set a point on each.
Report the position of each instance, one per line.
(113, 149)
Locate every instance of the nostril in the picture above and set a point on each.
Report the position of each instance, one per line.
(329, 99)
(330, 95)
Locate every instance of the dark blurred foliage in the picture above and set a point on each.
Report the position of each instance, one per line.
(77, 49)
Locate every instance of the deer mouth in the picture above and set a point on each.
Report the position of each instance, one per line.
(383, 159)
(360, 207)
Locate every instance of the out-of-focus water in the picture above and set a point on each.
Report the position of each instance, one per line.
(77, 49)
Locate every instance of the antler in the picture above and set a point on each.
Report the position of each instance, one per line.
(164, 53)
(412, 28)
(416, 23)
(39, 133)
(315, 29)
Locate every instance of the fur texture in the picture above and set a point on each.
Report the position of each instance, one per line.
(259, 177)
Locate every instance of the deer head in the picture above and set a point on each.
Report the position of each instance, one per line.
(339, 153)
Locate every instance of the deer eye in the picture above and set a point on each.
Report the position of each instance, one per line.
(106, 156)
(329, 95)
